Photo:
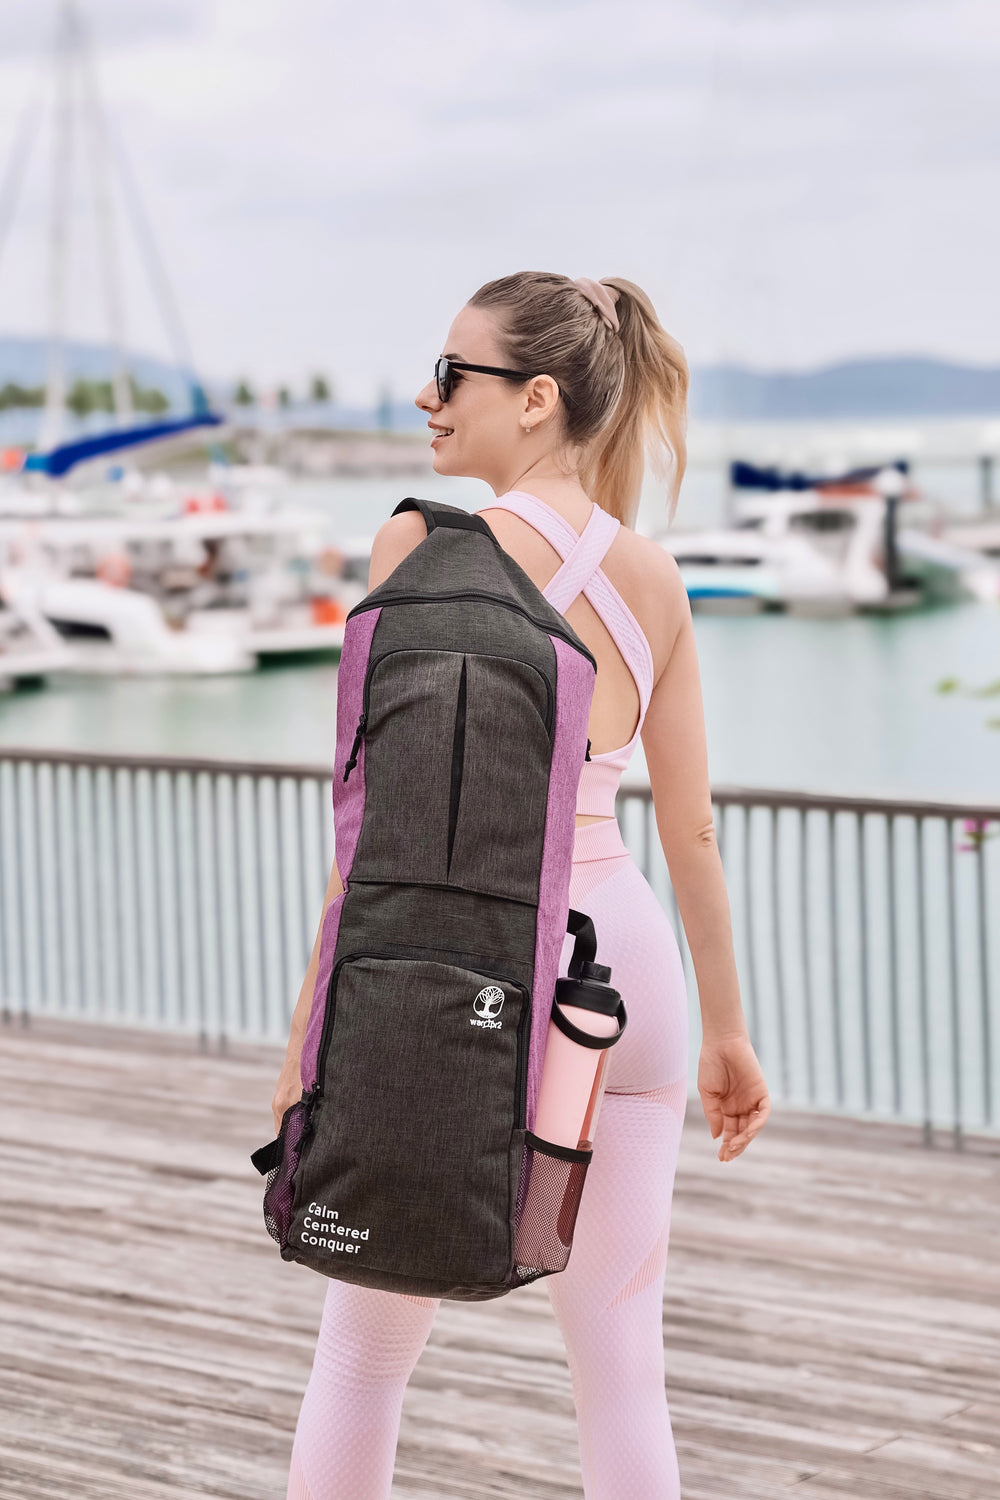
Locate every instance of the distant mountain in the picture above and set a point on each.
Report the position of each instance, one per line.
(855, 389)
(903, 387)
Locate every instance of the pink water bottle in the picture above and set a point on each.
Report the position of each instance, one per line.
(588, 1017)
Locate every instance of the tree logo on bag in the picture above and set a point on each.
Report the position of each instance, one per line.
(487, 1005)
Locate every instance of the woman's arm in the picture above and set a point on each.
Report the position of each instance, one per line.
(732, 1087)
(673, 739)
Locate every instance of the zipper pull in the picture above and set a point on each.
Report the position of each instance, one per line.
(587, 756)
(352, 762)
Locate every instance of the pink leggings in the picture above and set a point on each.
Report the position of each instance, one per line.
(608, 1302)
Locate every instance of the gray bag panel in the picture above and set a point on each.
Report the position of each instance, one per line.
(463, 625)
(413, 1136)
(459, 746)
(349, 1267)
(461, 927)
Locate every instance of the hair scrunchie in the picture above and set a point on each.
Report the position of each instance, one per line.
(603, 297)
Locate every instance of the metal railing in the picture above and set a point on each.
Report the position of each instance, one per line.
(185, 894)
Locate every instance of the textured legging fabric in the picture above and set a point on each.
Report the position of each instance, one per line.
(608, 1302)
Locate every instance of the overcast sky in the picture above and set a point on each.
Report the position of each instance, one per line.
(792, 181)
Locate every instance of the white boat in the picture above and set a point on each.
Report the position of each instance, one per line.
(202, 592)
(946, 571)
(975, 534)
(826, 548)
(30, 646)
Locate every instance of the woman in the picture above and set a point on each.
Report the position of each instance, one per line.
(551, 391)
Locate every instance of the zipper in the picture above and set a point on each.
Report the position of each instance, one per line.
(523, 1032)
(457, 764)
(352, 759)
(564, 634)
(359, 734)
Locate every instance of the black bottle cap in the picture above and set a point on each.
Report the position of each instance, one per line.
(600, 972)
(589, 993)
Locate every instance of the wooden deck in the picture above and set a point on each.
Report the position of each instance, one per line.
(832, 1316)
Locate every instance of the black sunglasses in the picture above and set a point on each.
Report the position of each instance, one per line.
(445, 380)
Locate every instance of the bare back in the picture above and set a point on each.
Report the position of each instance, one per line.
(635, 567)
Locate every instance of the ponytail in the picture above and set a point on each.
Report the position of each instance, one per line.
(650, 417)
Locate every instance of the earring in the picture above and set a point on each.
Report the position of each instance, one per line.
(527, 429)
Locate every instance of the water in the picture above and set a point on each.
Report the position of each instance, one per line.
(834, 705)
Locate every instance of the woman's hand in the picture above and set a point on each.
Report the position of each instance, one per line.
(733, 1092)
(287, 1091)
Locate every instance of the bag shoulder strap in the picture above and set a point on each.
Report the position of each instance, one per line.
(436, 513)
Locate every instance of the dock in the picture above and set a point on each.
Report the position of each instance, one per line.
(831, 1316)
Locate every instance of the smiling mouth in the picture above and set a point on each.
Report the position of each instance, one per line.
(441, 432)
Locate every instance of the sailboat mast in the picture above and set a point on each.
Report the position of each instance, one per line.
(96, 128)
(59, 218)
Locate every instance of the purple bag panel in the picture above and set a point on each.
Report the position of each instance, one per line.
(348, 811)
(575, 679)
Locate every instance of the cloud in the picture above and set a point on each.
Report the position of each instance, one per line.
(26, 27)
(328, 181)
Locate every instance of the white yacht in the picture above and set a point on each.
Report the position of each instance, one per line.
(30, 646)
(825, 547)
(206, 591)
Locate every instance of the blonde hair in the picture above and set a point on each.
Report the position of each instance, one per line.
(623, 393)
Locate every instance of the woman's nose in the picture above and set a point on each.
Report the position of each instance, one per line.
(428, 399)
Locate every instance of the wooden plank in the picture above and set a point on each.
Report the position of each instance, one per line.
(831, 1318)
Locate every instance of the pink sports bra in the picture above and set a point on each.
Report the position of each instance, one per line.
(580, 572)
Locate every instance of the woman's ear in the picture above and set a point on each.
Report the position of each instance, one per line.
(541, 397)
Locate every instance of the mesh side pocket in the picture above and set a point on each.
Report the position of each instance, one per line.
(548, 1199)
(279, 1190)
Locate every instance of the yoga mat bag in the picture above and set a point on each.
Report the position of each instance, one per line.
(409, 1163)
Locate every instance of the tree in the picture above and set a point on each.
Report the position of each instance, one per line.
(284, 396)
(319, 389)
(244, 395)
(86, 396)
(13, 394)
(148, 397)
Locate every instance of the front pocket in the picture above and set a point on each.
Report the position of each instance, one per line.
(410, 709)
(457, 755)
(551, 1186)
(421, 1088)
(499, 828)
